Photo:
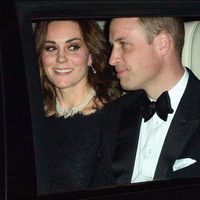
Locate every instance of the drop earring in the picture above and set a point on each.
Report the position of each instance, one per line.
(93, 69)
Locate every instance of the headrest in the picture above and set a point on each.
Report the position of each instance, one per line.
(191, 49)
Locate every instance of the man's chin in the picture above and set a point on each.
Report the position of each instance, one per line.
(127, 87)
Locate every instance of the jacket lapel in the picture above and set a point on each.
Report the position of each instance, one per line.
(178, 136)
(128, 133)
(184, 124)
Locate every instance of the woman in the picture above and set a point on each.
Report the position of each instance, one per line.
(77, 84)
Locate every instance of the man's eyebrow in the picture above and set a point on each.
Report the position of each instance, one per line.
(117, 40)
(67, 41)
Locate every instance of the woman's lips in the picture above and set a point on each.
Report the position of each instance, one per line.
(63, 71)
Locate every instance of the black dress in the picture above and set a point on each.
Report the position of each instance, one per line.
(69, 155)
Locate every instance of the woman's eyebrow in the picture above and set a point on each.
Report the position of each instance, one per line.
(67, 41)
(49, 41)
(70, 40)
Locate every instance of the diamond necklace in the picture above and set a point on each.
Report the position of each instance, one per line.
(70, 111)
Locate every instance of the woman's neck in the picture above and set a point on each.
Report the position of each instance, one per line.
(70, 97)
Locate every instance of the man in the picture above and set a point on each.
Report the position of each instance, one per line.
(149, 140)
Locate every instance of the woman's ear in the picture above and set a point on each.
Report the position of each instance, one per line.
(163, 43)
(90, 60)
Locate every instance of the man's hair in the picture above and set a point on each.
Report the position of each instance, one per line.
(172, 25)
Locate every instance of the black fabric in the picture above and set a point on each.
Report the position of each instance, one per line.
(182, 140)
(70, 154)
(162, 107)
(122, 119)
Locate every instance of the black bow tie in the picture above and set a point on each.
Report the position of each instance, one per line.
(162, 107)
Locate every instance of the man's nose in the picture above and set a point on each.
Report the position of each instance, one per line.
(114, 57)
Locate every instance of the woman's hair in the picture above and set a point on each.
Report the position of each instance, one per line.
(172, 25)
(103, 81)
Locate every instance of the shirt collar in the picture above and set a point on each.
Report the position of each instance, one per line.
(177, 91)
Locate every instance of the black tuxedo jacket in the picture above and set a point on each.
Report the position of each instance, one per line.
(122, 126)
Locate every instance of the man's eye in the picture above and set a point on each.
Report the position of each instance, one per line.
(73, 47)
(123, 44)
(49, 48)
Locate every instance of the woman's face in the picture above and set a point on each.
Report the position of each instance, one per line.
(65, 56)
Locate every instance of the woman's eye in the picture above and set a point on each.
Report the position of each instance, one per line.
(73, 47)
(49, 48)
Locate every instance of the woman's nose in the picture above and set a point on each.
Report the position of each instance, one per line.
(61, 57)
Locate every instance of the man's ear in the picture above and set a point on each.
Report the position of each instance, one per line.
(163, 43)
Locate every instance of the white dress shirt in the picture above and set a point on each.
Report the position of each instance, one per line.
(152, 136)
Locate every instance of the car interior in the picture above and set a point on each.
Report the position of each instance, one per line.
(191, 51)
(21, 107)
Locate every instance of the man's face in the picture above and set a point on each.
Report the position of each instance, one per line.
(136, 62)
